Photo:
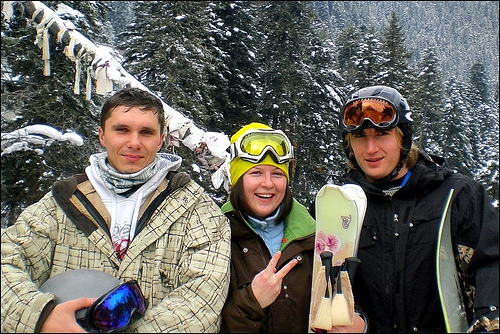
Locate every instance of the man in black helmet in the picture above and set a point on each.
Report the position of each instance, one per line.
(395, 284)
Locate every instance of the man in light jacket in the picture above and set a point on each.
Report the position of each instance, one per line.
(131, 215)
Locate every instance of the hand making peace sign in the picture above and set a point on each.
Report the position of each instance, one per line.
(266, 285)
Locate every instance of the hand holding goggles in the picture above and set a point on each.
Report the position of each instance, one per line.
(116, 309)
(255, 144)
(364, 112)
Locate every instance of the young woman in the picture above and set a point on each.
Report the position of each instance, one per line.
(272, 237)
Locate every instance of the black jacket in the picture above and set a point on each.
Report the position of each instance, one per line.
(395, 284)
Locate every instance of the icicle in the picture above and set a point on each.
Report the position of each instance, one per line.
(42, 41)
(109, 82)
(69, 50)
(76, 85)
(102, 77)
(60, 34)
(103, 84)
(46, 53)
(88, 86)
(7, 10)
(80, 58)
(39, 29)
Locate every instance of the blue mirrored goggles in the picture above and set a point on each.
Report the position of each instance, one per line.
(255, 144)
(116, 309)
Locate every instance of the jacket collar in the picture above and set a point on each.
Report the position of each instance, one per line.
(298, 224)
(428, 170)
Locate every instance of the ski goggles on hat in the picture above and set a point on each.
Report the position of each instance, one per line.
(369, 111)
(116, 309)
(255, 144)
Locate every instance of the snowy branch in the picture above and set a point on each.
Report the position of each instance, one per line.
(36, 135)
(104, 71)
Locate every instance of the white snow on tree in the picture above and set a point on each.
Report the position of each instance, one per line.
(36, 135)
(102, 68)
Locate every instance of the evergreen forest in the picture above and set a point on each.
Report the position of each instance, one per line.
(289, 64)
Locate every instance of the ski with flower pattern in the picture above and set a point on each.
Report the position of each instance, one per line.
(340, 211)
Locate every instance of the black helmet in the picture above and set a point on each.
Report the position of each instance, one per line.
(74, 284)
(401, 118)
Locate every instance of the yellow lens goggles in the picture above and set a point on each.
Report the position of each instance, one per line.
(255, 144)
(380, 113)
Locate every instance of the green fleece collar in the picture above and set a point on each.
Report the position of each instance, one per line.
(298, 223)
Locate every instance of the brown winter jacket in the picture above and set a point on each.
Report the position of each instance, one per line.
(249, 255)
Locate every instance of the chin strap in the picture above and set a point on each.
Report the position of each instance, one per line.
(392, 191)
(380, 182)
(395, 172)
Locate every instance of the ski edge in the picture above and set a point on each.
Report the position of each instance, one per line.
(462, 326)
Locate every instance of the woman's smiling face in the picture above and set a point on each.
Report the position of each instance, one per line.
(264, 188)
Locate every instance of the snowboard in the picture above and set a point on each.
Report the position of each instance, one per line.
(340, 211)
(450, 293)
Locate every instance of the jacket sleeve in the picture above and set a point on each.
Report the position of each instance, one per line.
(242, 312)
(199, 241)
(481, 270)
(26, 254)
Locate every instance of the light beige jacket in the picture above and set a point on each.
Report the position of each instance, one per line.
(180, 255)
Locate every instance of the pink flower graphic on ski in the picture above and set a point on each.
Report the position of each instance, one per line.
(327, 242)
